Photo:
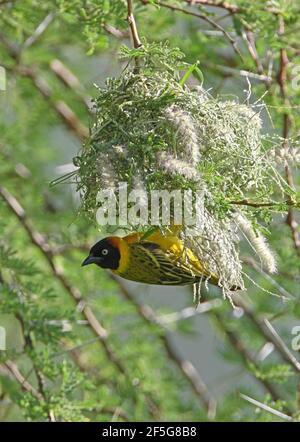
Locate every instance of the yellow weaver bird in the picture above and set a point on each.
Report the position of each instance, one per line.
(155, 259)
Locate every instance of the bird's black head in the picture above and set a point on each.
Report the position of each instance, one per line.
(104, 254)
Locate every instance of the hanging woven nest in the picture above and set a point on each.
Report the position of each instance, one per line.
(152, 131)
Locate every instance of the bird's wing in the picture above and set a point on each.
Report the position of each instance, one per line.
(169, 268)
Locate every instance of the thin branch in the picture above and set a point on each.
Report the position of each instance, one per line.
(71, 120)
(202, 17)
(266, 408)
(285, 294)
(233, 9)
(116, 413)
(11, 47)
(245, 202)
(60, 107)
(292, 223)
(68, 78)
(282, 347)
(115, 32)
(189, 312)
(39, 30)
(65, 248)
(12, 369)
(269, 333)
(227, 70)
(250, 42)
(28, 344)
(281, 80)
(93, 371)
(132, 25)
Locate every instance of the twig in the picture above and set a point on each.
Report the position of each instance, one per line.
(250, 42)
(71, 120)
(233, 9)
(12, 48)
(39, 376)
(292, 223)
(250, 203)
(202, 17)
(64, 74)
(189, 312)
(65, 248)
(235, 71)
(115, 32)
(281, 346)
(39, 30)
(14, 371)
(61, 108)
(266, 408)
(115, 412)
(281, 80)
(269, 333)
(285, 294)
(132, 25)
(70, 80)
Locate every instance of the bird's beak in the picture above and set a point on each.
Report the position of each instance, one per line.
(91, 260)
